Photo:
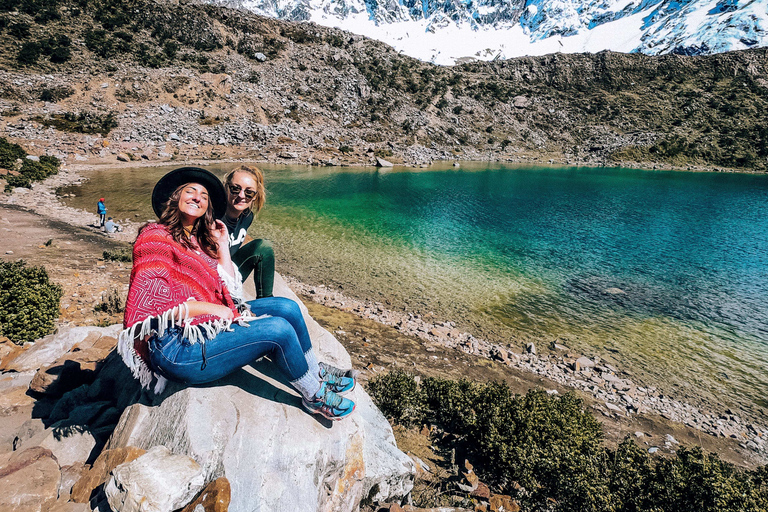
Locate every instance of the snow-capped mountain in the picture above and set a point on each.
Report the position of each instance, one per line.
(449, 30)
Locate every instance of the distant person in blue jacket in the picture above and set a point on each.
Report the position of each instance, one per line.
(102, 211)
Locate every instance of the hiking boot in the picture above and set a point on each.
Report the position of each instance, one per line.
(329, 404)
(351, 373)
(337, 382)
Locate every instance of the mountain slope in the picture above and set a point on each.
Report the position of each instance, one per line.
(207, 75)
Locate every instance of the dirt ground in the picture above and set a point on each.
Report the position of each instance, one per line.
(74, 258)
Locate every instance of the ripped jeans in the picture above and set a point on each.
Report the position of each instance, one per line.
(283, 337)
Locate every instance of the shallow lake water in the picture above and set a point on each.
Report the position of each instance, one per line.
(662, 273)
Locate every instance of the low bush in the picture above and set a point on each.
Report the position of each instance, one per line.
(9, 153)
(398, 396)
(111, 302)
(83, 122)
(56, 93)
(548, 451)
(123, 255)
(29, 302)
(30, 170)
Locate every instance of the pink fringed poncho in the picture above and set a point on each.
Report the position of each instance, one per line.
(165, 276)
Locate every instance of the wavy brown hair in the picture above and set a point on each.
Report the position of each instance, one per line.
(261, 193)
(171, 217)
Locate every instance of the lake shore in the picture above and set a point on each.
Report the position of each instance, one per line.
(611, 393)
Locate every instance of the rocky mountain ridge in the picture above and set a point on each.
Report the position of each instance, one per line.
(448, 32)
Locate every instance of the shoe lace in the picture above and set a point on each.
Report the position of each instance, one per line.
(331, 399)
(332, 370)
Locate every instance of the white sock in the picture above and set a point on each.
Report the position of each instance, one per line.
(314, 367)
(308, 385)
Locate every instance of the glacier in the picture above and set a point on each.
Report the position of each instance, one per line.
(450, 31)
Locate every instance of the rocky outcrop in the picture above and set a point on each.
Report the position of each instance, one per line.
(251, 428)
(65, 397)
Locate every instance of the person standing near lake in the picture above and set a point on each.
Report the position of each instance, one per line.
(246, 193)
(101, 209)
(180, 320)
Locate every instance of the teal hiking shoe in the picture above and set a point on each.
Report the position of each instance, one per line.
(329, 404)
(337, 380)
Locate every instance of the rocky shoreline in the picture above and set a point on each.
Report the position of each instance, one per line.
(615, 394)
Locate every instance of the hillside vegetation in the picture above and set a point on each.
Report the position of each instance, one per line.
(339, 95)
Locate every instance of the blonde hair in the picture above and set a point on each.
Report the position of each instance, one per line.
(258, 177)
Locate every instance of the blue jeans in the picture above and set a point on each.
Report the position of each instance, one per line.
(283, 337)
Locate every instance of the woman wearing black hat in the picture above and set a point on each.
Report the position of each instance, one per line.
(180, 321)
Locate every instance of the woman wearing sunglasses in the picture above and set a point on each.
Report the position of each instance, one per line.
(180, 320)
(245, 193)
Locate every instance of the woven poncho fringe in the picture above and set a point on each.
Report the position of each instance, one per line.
(163, 322)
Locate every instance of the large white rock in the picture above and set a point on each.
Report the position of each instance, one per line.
(251, 428)
(158, 481)
(48, 349)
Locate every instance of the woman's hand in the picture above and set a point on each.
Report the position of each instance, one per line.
(220, 233)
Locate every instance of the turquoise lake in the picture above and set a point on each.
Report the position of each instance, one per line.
(661, 273)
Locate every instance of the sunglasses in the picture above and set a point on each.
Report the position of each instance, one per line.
(235, 190)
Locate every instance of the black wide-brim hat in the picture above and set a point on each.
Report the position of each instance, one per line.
(183, 175)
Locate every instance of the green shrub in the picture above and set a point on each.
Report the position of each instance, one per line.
(346, 149)
(548, 451)
(20, 30)
(29, 302)
(83, 122)
(56, 93)
(32, 171)
(398, 396)
(29, 53)
(123, 255)
(9, 153)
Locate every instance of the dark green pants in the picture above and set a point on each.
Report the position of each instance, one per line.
(257, 256)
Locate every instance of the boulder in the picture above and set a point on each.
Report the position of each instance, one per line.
(380, 162)
(69, 506)
(70, 475)
(27, 431)
(158, 481)
(73, 369)
(15, 398)
(52, 347)
(29, 480)
(92, 480)
(69, 443)
(8, 350)
(251, 428)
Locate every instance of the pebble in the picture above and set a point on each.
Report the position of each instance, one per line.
(620, 395)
